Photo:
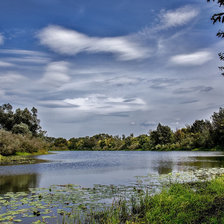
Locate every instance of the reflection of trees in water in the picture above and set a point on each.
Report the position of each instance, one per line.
(16, 183)
(204, 162)
(164, 167)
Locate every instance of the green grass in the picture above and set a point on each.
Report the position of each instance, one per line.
(181, 203)
(40, 152)
(21, 158)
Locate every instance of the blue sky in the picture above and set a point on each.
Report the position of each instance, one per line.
(118, 67)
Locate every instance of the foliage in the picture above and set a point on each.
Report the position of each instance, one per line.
(218, 127)
(20, 132)
(21, 129)
(219, 17)
(11, 144)
(162, 135)
(201, 135)
(20, 120)
(181, 203)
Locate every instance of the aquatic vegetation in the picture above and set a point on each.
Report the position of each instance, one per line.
(19, 159)
(74, 204)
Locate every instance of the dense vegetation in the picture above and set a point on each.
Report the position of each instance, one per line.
(181, 203)
(20, 131)
(201, 135)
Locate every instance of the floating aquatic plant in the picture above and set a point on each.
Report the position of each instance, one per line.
(66, 203)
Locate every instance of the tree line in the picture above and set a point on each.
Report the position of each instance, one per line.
(201, 135)
(20, 131)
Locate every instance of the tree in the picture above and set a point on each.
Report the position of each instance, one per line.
(218, 127)
(219, 17)
(162, 135)
(8, 119)
(21, 129)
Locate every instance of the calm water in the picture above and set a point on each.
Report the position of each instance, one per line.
(87, 168)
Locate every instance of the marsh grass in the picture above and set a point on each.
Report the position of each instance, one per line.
(181, 203)
(196, 197)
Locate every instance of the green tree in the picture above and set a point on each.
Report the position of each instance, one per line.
(219, 17)
(21, 129)
(8, 119)
(218, 127)
(61, 143)
(162, 135)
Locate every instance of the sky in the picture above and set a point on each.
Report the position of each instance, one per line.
(116, 67)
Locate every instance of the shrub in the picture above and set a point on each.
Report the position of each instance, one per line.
(11, 143)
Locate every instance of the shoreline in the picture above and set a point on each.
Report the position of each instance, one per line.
(22, 159)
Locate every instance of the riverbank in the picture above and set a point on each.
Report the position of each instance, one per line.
(192, 202)
(22, 158)
(181, 203)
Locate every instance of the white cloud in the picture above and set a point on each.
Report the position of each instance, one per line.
(196, 58)
(71, 42)
(2, 93)
(101, 104)
(24, 56)
(29, 59)
(22, 52)
(11, 77)
(1, 39)
(178, 17)
(56, 73)
(5, 64)
(54, 103)
(11, 80)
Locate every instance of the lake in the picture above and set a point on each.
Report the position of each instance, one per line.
(87, 168)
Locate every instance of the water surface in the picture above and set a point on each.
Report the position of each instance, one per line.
(87, 168)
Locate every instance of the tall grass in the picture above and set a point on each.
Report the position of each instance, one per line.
(181, 203)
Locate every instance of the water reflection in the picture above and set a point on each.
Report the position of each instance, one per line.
(17, 183)
(164, 167)
(87, 168)
(203, 162)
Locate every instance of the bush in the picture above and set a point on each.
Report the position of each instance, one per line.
(21, 129)
(10, 143)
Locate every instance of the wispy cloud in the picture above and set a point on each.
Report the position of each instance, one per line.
(5, 64)
(1, 39)
(193, 89)
(168, 19)
(196, 58)
(178, 17)
(71, 42)
(102, 104)
(56, 73)
(24, 56)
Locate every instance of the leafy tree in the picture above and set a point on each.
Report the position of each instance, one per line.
(61, 142)
(218, 127)
(21, 129)
(162, 135)
(8, 119)
(219, 17)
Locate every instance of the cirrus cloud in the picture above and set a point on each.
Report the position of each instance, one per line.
(196, 58)
(56, 73)
(1, 39)
(178, 17)
(71, 42)
(101, 104)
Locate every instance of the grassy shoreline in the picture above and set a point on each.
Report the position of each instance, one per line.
(180, 203)
(198, 201)
(22, 158)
